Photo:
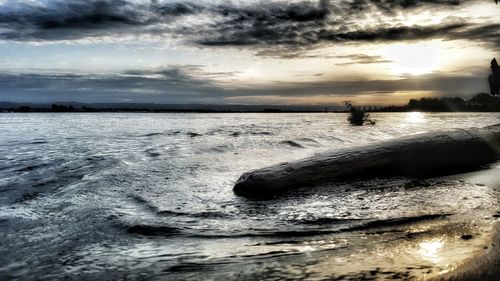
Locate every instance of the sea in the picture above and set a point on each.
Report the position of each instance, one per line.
(149, 196)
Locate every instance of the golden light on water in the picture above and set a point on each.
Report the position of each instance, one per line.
(415, 117)
(430, 250)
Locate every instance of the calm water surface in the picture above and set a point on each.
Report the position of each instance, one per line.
(149, 196)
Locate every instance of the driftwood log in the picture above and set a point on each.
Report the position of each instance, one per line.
(425, 154)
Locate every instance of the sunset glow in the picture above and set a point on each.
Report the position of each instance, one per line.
(414, 58)
(259, 52)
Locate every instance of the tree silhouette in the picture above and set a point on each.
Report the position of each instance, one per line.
(494, 78)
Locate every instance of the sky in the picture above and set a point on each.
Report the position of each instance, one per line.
(372, 52)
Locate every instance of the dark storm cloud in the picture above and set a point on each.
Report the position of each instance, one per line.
(487, 33)
(288, 27)
(66, 20)
(190, 84)
(341, 22)
(276, 36)
(275, 25)
(390, 5)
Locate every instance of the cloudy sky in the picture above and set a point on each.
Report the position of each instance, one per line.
(246, 51)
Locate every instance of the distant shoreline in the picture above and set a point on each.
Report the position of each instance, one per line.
(481, 102)
(265, 111)
(230, 112)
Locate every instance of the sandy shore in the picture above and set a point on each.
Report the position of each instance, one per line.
(487, 265)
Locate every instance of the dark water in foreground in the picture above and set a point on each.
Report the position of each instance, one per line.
(149, 196)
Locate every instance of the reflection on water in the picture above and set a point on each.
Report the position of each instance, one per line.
(430, 250)
(404, 255)
(415, 117)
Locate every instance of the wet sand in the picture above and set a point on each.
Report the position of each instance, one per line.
(486, 266)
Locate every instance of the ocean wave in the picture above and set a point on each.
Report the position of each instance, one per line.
(381, 226)
(38, 142)
(149, 230)
(30, 168)
(308, 140)
(264, 133)
(253, 133)
(156, 134)
(137, 199)
(153, 134)
(151, 152)
(35, 180)
(324, 221)
(394, 222)
(292, 144)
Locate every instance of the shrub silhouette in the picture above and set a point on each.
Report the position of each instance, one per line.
(358, 117)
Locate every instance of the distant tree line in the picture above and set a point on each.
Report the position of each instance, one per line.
(53, 108)
(62, 108)
(437, 104)
(482, 102)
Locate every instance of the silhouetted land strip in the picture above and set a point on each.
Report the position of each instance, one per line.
(482, 102)
(161, 108)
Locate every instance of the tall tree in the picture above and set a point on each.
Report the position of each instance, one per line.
(494, 78)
